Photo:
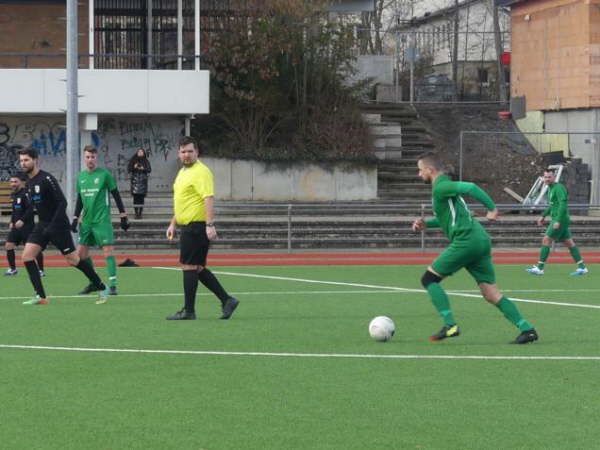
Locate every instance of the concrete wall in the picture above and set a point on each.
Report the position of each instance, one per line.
(254, 180)
(117, 139)
(584, 146)
(534, 122)
(378, 67)
(41, 91)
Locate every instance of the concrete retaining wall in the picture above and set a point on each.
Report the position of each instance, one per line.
(117, 139)
(254, 180)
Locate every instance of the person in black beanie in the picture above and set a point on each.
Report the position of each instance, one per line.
(139, 168)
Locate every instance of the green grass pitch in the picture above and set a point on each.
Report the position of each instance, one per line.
(295, 368)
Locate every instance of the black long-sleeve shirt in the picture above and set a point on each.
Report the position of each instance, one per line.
(48, 201)
(21, 208)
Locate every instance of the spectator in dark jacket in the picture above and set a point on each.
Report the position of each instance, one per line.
(139, 168)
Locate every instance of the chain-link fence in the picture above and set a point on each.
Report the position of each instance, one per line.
(507, 163)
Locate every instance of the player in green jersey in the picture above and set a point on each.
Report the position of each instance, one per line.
(558, 230)
(470, 247)
(95, 230)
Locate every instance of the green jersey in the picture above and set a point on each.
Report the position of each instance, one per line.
(557, 199)
(451, 212)
(94, 189)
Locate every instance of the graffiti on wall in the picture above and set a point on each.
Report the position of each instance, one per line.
(45, 135)
(117, 140)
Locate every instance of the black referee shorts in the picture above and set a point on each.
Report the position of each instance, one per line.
(18, 235)
(61, 239)
(193, 244)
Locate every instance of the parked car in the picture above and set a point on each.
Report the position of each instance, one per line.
(435, 88)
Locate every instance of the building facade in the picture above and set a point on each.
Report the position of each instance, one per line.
(431, 33)
(556, 71)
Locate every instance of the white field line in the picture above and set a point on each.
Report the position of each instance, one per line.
(297, 355)
(392, 288)
(265, 293)
(256, 293)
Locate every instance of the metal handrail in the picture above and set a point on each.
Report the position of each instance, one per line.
(290, 208)
(186, 57)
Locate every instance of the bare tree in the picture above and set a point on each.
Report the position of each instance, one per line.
(455, 48)
(376, 26)
(499, 49)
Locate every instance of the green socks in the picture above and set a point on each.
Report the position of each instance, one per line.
(441, 303)
(544, 252)
(510, 311)
(575, 254)
(111, 268)
(577, 257)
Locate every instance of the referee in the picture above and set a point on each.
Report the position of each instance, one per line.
(193, 198)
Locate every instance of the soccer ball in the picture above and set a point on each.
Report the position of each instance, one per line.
(382, 328)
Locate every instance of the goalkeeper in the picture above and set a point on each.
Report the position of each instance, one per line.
(93, 186)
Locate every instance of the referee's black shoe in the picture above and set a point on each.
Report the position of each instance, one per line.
(526, 337)
(229, 307)
(89, 289)
(182, 315)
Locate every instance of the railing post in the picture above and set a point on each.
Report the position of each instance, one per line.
(423, 230)
(460, 157)
(289, 229)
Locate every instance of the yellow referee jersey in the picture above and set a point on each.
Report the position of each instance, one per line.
(192, 185)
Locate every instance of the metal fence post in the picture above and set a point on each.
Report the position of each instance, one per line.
(289, 229)
(460, 157)
(423, 230)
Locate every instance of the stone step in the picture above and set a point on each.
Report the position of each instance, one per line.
(386, 130)
(390, 108)
(416, 142)
(399, 165)
(392, 194)
(402, 121)
(408, 187)
(357, 231)
(414, 128)
(391, 177)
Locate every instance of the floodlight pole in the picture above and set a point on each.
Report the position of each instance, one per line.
(179, 34)
(149, 46)
(197, 35)
(72, 144)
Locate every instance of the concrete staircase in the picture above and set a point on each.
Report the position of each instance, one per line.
(381, 224)
(363, 228)
(399, 139)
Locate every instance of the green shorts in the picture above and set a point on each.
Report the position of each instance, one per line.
(562, 234)
(96, 235)
(474, 253)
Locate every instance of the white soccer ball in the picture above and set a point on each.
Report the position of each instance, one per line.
(382, 328)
